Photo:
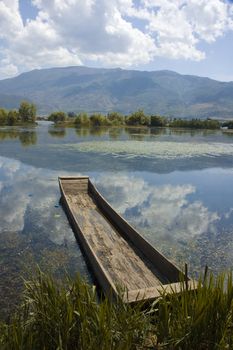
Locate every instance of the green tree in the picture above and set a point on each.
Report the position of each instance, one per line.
(195, 123)
(98, 120)
(57, 117)
(157, 120)
(3, 116)
(12, 117)
(27, 112)
(115, 118)
(82, 119)
(138, 118)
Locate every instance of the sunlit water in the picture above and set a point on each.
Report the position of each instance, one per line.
(175, 187)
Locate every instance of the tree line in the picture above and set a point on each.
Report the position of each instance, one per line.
(195, 123)
(138, 118)
(98, 119)
(25, 114)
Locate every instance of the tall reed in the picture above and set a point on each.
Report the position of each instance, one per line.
(71, 316)
(200, 319)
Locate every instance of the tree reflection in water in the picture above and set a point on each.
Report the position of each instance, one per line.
(57, 132)
(26, 137)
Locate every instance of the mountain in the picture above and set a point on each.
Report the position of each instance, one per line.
(103, 90)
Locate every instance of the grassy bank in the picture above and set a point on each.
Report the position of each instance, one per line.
(71, 317)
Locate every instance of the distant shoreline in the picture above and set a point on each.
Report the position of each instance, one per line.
(146, 127)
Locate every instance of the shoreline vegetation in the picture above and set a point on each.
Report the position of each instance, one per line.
(73, 316)
(135, 119)
(25, 115)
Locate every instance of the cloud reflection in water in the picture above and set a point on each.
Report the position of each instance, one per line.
(34, 229)
(164, 210)
(24, 188)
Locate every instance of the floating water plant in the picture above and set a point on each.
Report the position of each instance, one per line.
(169, 150)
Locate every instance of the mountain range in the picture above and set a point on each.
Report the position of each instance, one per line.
(74, 89)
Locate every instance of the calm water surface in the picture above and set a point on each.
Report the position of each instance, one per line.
(175, 187)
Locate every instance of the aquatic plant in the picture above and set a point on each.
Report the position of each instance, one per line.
(158, 149)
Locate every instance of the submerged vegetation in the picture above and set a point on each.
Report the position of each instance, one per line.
(160, 149)
(71, 316)
(26, 114)
(138, 118)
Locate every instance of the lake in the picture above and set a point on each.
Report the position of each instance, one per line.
(174, 186)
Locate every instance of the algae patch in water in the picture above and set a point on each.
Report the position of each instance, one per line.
(168, 150)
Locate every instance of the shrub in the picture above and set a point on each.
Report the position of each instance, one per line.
(12, 117)
(115, 118)
(195, 123)
(3, 116)
(137, 118)
(98, 120)
(57, 117)
(156, 120)
(82, 119)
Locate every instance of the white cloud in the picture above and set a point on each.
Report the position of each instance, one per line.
(72, 32)
(209, 19)
(180, 25)
(10, 20)
(7, 69)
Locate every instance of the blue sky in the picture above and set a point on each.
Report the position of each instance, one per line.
(190, 37)
(27, 10)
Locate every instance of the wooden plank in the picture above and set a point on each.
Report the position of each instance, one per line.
(153, 293)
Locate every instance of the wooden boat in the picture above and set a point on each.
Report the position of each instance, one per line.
(117, 253)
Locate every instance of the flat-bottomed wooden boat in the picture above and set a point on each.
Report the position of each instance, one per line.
(117, 253)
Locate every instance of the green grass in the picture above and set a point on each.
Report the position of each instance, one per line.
(71, 316)
(198, 320)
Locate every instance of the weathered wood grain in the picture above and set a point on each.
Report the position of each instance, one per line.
(117, 253)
